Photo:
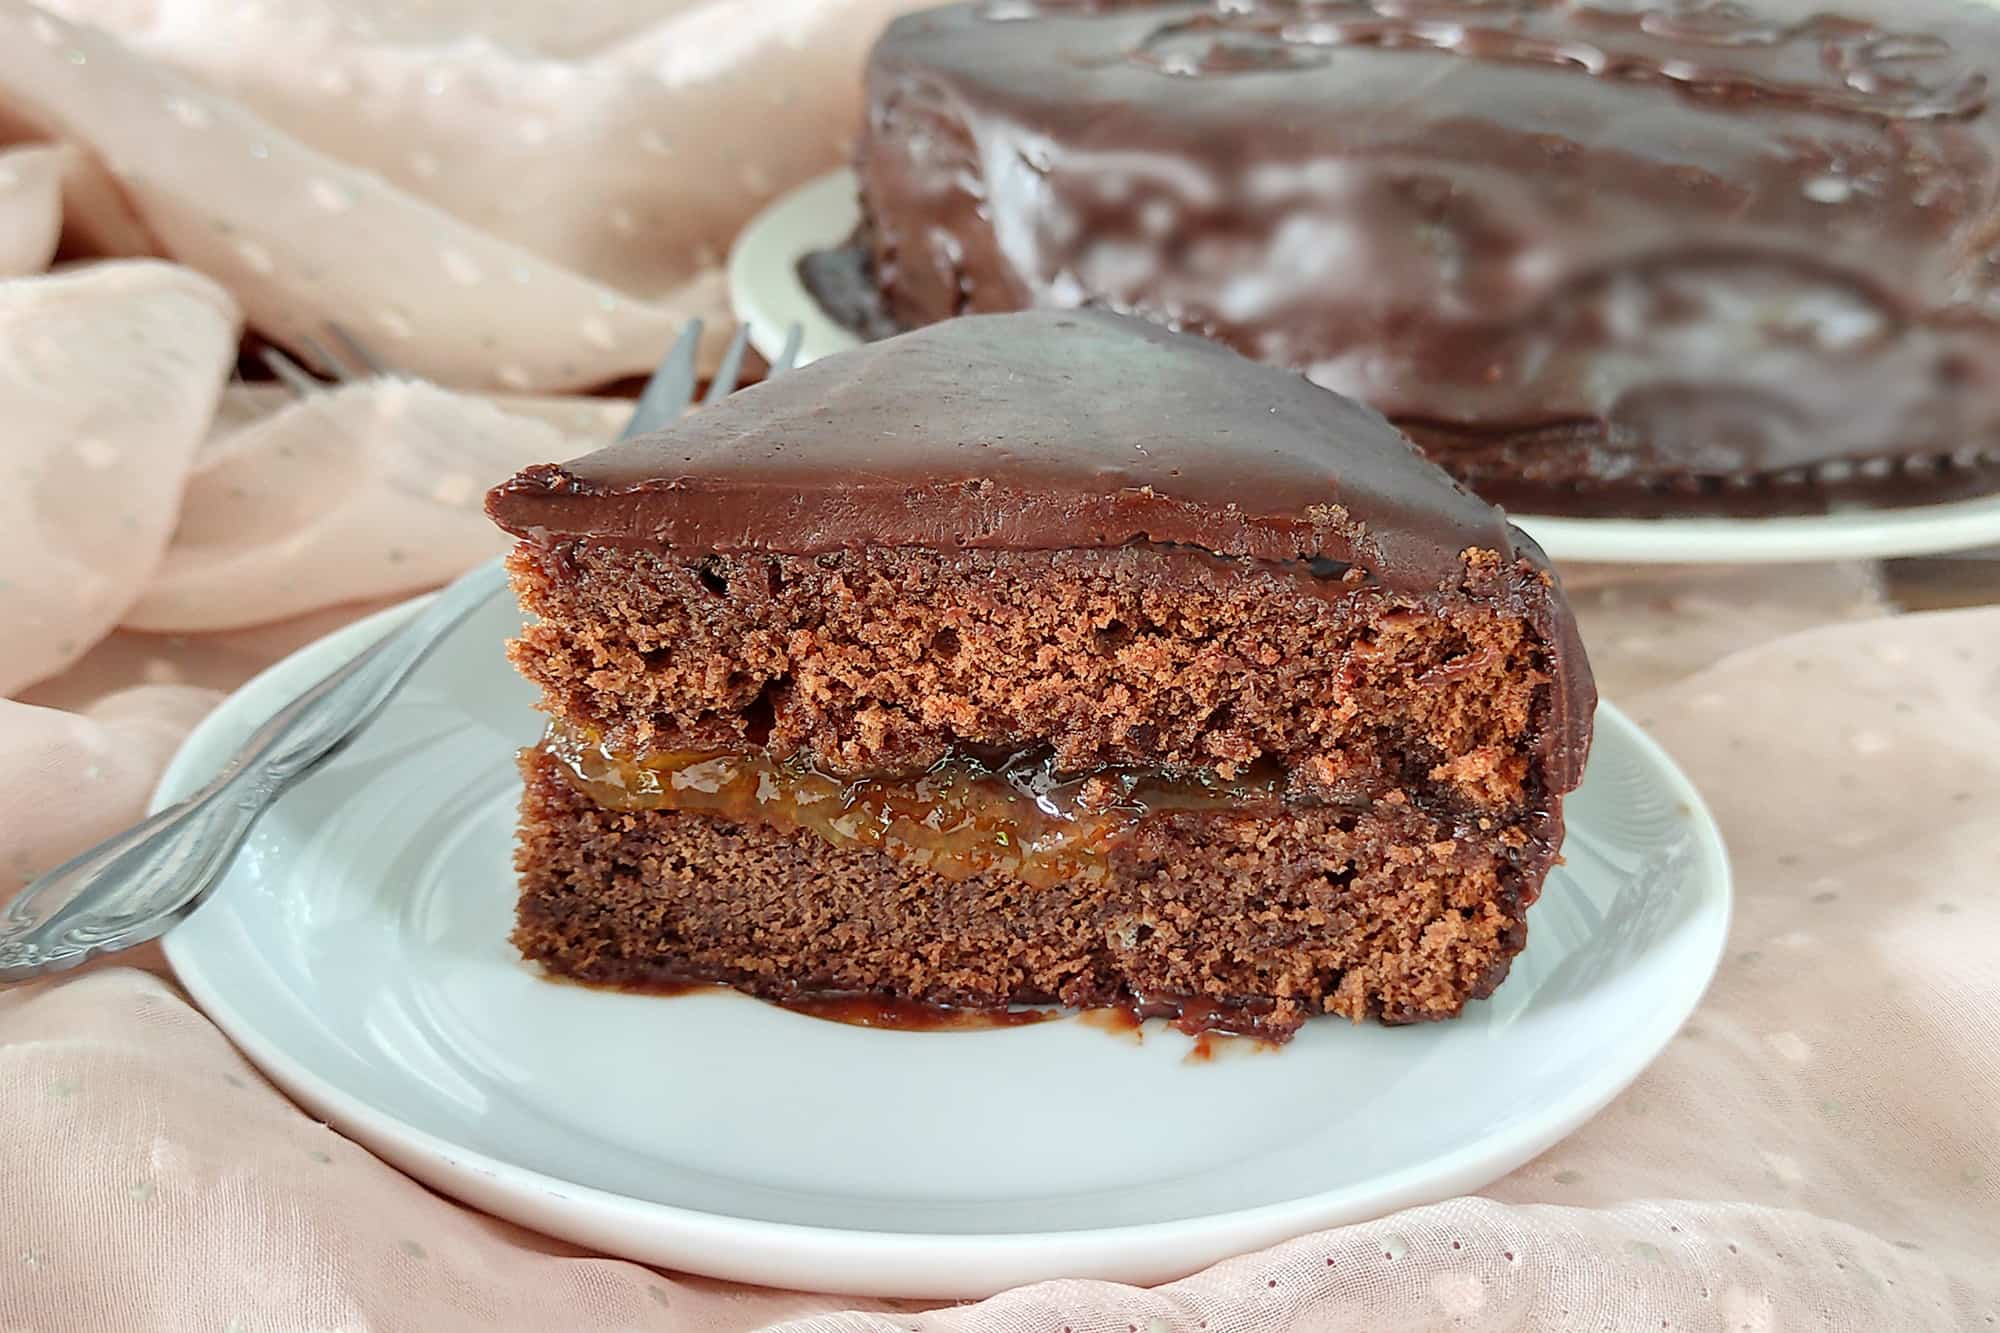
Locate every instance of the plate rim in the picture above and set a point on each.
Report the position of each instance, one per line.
(900, 1263)
(765, 293)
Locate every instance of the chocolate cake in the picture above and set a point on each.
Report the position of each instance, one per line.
(1039, 658)
(1596, 256)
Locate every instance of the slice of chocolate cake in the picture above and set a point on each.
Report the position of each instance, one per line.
(1049, 657)
(1595, 256)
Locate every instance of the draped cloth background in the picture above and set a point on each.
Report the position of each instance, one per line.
(515, 203)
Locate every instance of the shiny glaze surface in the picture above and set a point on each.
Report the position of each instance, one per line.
(1044, 430)
(1565, 243)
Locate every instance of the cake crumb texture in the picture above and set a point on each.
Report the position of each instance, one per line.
(866, 662)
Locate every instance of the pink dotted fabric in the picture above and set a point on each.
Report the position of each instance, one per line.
(515, 201)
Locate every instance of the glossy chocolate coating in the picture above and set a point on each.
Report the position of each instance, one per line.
(1586, 251)
(1044, 430)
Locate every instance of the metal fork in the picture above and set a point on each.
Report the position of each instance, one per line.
(131, 888)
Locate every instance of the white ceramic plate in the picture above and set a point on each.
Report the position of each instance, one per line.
(358, 953)
(767, 295)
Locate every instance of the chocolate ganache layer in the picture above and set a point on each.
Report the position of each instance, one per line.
(1594, 255)
(983, 433)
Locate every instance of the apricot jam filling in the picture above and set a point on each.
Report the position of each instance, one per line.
(965, 816)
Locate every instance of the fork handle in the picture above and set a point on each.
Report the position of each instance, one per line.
(132, 887)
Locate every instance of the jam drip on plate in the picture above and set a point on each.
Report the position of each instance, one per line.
(1214, 1027)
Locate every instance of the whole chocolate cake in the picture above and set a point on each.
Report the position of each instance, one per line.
(1049, 657)
(1596, 256)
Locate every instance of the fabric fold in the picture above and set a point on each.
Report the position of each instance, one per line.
(71, 779)
(110, 375)
(30, 207)
(372, 490)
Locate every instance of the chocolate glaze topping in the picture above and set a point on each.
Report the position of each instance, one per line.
(1602, 246)
(1038, 431)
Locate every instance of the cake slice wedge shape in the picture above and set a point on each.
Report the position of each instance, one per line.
(1039, 658)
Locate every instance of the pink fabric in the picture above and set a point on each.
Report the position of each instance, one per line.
(529, 199)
